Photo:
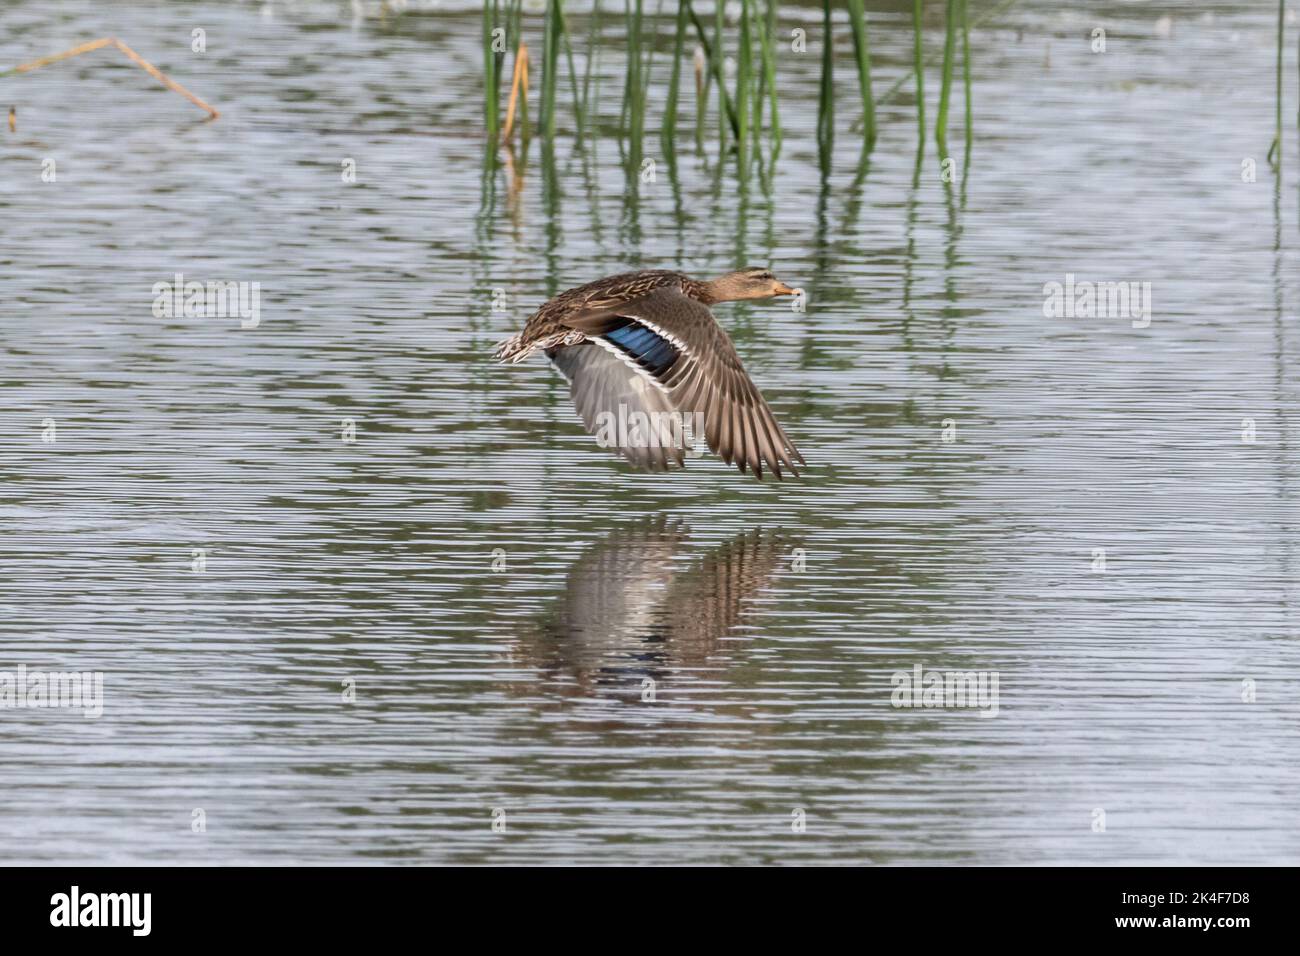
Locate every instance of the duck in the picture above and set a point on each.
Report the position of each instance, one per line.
(650, 369)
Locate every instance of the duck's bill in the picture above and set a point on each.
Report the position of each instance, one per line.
(783, 289)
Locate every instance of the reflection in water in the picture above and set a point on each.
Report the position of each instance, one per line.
(636, 606)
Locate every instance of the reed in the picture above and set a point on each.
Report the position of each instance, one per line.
(826, 96)
(88, 47)
(862, 52)
(491, 72)
(573, 74)
(726, 112)
(631, 79)
(759, 91)
(589, 85)
(945, 84)
(767, 47)
(552, 27)
(518, 86)
(1275, 150)
(126, 51)
(636, 85)
(643, 94)
(515, 34)
(758, 71)
(701, 96)
(968, 122)
(714, 62)
(744, 84)
(903, 80)
(631, 30)
(918, 68)
(740, 104)
(668, 130)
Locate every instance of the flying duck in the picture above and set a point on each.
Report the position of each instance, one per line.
(648, 365)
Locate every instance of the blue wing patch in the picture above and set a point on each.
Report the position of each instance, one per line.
(651, 350)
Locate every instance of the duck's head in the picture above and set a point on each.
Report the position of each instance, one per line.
(752, 283)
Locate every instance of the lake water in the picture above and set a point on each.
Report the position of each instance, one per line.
(369, 650)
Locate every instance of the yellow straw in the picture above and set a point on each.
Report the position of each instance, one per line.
(131, 54)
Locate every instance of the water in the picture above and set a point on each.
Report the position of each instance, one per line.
(495, 590)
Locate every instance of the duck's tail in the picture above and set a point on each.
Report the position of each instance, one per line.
(511, 350)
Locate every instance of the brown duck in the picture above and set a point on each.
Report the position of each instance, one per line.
(649, 367)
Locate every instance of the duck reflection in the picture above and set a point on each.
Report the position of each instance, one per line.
(636, 606)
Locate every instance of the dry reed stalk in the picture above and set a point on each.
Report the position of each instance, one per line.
(136, 58)
(519, 80)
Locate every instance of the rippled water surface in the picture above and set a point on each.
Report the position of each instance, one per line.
(496, 592)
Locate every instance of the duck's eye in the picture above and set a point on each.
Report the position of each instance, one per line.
(767, 275)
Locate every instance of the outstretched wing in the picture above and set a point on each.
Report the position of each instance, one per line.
(621, 405)
(674, 344)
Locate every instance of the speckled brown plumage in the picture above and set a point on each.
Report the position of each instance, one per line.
(545, 329)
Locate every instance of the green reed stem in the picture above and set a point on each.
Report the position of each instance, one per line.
(625, 108)
(760, 80)
(646, 69)
(862, 51)
(634, 90)
(756, 101)
(715, 64)
(573, 74)
(767, 47)
(668, 132)
(550, 63)
(918, 67)
(588, 86)
(491, 72)
(744, 82)
(725, 110)
(903, 80)
(969, 121)
(945, 87)
(700, 65)
(826, 97)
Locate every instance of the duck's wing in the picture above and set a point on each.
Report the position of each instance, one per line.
(621, 406)
(674, 344)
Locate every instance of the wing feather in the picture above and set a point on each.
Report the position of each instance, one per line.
(706, 377)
